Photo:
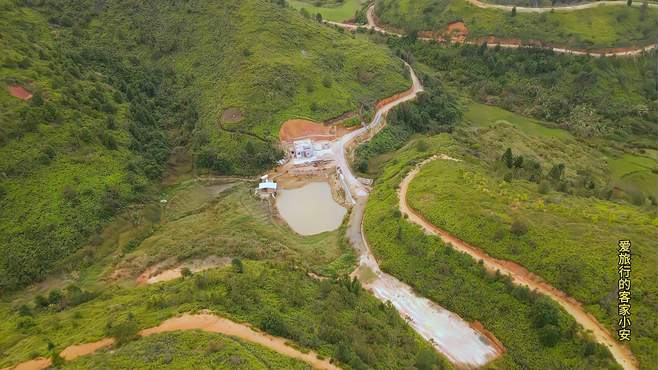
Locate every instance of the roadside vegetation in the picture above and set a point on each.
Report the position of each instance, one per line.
(188, 350)
(433, 112)
(119, 86)
(535, 331)
(596, 28)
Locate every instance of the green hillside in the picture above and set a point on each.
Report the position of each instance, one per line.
(119, 85)
(596, 28)
(457, 282)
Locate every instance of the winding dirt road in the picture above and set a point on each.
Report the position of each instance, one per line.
(493, 42)
(562, 8)
(205, 322)
(519, 274)
(463, 344)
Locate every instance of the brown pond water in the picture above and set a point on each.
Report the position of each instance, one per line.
(310, 209)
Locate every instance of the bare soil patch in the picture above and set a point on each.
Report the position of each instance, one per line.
(301, 128)
(164, 271)
(20, 92)
(457, 31)
(232, 115)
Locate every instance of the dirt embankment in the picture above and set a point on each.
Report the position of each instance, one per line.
(519, 274)
(205, 322)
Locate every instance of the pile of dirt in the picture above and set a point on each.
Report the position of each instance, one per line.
(232, 115)
(20, 92)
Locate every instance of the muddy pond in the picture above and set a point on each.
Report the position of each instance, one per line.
(310, 209)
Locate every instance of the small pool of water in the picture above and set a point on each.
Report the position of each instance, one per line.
(310, 209)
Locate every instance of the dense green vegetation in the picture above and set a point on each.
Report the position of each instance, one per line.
(611, 97)
(90, 140)
(536, 333)
(434, 111)
(334, 317)
(117, 85)
(188, 350)
(595, 28)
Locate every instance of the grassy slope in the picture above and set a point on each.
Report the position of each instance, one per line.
(458, 283)
(612, 168)
(187, 350)
(331, 12)
(268, 61)
(328, 317)
(236, 225)
(319, 315)
(571, 240)
(600, 27)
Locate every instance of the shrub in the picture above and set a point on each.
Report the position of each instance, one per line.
(123, 332)
(237, 265)
(518, 228)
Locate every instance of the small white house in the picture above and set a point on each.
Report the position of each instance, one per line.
(267, 187)
(303, 149)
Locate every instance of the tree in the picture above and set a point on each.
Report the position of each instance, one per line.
(518, 162)
(518, 228)
(237, 265)
(123, 332)
(549, 335)
(544, 313)
(508, 158)
(643, 11)
(556, 172)
(629, 2)
(185, 272)
(24, 310)
(514, 11)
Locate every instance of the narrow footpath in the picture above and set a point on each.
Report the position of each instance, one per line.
(519, 274)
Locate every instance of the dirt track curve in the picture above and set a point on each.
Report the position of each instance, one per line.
(205, 322)
(518, 273)
(561, 8)
(626, 52)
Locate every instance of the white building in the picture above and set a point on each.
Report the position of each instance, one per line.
(303, 149)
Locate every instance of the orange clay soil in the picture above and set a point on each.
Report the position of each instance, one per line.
(19, 92)
(519, 274)
(205, 322)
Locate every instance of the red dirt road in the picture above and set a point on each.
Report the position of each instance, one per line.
(205, 322)
(519, 274)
